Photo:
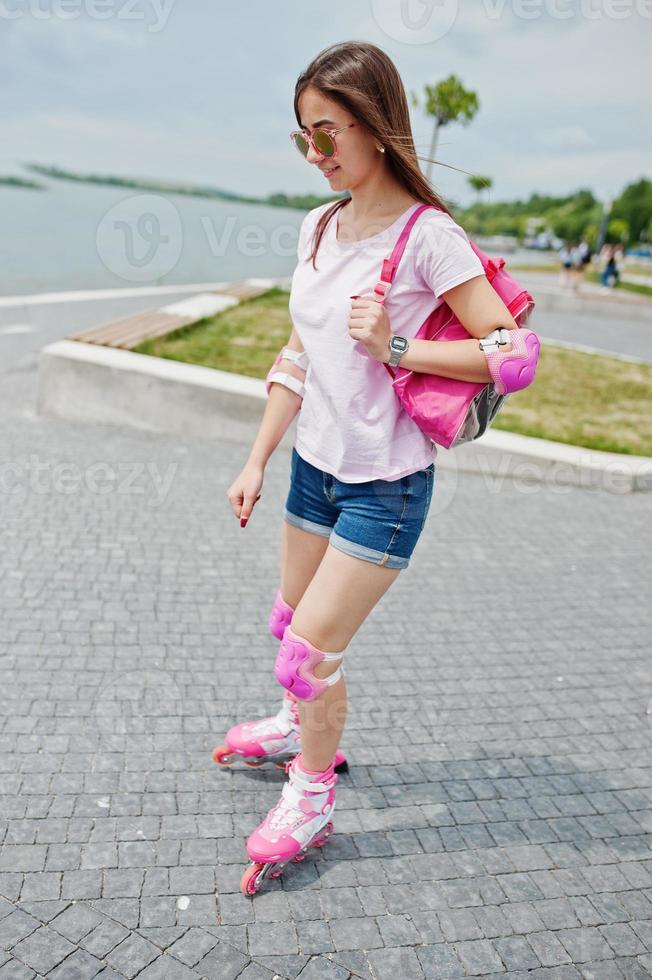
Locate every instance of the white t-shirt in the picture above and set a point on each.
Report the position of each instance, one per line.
(351, 423)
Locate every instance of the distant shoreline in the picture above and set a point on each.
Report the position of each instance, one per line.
(303, 202)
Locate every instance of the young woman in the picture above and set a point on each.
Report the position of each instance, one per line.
(362, 472)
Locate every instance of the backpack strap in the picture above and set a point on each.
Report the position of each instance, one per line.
(390, 265)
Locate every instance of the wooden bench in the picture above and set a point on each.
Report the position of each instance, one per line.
(128, 332)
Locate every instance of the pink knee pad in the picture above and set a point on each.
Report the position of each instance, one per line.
(280, 616)
(294, 667)
(514, 369)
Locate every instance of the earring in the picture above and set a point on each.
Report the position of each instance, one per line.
(381, 148)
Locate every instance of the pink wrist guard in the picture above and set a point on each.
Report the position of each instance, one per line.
(283, 377)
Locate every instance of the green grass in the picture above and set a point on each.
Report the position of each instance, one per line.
(531, 266)
(244, 339)
(576, 398)
(629, 287)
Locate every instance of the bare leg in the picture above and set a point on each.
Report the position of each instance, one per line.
(340, 596)
(301, 553)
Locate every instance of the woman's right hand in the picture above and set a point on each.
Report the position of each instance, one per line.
(244, 492)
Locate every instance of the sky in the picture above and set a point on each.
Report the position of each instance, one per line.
(201, 91)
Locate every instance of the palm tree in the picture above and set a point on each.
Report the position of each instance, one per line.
(479, 184)
(448, 102)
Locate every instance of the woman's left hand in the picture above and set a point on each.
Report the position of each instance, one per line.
(369, 324)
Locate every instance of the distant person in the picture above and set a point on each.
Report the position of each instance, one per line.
(566, 259)
(619, 256)
(610, 275)
(585, 252)
(577, 265)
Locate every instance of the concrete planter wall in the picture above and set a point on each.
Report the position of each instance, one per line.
(86, 382)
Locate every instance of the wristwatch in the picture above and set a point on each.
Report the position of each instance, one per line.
(397, 346)
(494, 340)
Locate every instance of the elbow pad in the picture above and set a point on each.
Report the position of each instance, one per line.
(513, 369)
(282, 377)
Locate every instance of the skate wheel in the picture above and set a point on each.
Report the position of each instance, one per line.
(223, 755)
(324, 836)
(298, 857)
(255, 765)
(252, 879)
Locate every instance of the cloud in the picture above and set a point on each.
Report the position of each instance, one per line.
(563, 137)
(209, 97)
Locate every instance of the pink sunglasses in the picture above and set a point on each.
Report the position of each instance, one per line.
(322, 140)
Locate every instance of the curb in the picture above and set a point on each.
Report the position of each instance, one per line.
(91, 383)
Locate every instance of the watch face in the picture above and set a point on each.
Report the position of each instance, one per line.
(398, 344)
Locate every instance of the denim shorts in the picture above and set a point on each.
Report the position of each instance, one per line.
(377, 520)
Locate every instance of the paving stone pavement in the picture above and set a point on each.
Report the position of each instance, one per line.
(497, 817)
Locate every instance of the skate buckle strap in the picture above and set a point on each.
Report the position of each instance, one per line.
(302, 782)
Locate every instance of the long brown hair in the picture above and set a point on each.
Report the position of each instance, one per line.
(364, 80)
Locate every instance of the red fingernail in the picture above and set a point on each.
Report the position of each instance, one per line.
(357, 296)
(243, 521)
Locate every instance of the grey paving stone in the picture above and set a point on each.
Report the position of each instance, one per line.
(193, 946)
(14, 970)
(105, 937)
(281, 966)
(41, 886)
(162, 936)
(201, 911)
(269, 938)
(516, 953)
(478, 956)
(224, 962)
(314, 937)
(605, 970)
(78, 885)
(158, 912)
(355, 961)
(16, 926)
(397, 930)
(548, 948)
(323, 968)
(131, 956)
(355, 934)
(440, 960)
(459, 924)
(122, 883)
(125, 911)
(43, 950)
(80, 965)
(235, 936)
(256, 971)
(391, 962)
(622, 939)
(76, 921)
(166, 968)
(585, 944)
(340, 902)
(192, 881)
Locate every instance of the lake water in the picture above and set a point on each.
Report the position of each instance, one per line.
(85, 236)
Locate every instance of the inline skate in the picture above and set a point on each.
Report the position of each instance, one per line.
(301, 819)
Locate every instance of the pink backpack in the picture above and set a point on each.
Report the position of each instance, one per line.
(449, 410)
